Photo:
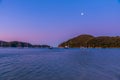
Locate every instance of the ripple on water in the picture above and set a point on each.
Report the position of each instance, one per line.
(59, 64)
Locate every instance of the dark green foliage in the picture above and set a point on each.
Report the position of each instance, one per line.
(105, 42)
(20, 44)
(78, 41)
(90, 41)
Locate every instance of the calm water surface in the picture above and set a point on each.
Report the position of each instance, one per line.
(59, 64)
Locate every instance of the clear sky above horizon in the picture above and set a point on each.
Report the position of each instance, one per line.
(54, 21)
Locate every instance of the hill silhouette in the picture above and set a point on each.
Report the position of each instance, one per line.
(87, 41)
(20, 44)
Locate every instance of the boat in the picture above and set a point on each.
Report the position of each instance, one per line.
(50, 47)
(66, 47)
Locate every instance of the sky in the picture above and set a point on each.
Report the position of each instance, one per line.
(54, 21)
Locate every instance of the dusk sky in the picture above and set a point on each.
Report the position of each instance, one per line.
(54, 21)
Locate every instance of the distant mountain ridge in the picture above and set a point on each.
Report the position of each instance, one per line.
(20, 44)
(87, 40)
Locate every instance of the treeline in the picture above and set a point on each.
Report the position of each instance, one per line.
(90, 41)
(21, 44)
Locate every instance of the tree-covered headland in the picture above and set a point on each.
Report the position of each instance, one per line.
(89, 41)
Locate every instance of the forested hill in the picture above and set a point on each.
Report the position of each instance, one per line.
(21, 44)
(93, 42)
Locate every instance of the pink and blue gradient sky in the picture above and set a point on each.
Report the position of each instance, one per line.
(54, 21)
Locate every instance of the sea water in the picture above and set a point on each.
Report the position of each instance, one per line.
(59, 64)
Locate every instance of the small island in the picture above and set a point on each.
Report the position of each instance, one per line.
(89, 41)
(21, 44)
